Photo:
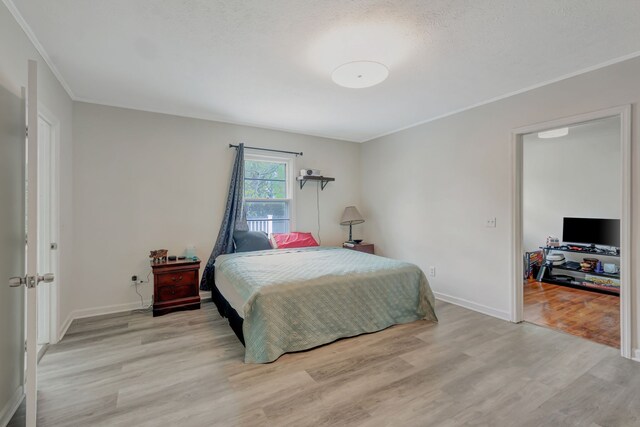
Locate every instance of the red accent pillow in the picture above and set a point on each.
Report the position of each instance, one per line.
(293, 240)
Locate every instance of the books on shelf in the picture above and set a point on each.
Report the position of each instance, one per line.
(598, 282)
(603, 281)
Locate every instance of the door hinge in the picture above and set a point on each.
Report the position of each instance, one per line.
(26, 131)
(25, 346)
(53, 246)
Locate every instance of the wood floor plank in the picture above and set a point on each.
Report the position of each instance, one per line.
(187, 369)
(578, 312)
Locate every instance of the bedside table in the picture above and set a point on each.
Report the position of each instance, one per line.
(175, 286)
(362, 247)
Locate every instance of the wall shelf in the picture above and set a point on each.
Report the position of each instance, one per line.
(324, 180)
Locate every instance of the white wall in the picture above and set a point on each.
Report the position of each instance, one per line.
(145, 181)
(15, 50)
(428, 190)
(573, 176)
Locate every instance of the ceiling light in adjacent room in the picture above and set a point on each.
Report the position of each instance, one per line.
(360, 74)
(554, 133)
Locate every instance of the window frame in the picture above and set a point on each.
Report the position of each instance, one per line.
(289, 182)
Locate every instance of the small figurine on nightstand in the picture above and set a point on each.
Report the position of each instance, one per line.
(159, 255)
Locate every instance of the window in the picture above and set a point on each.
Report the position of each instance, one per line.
(267, 193)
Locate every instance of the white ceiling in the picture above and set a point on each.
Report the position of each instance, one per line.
(268, 62)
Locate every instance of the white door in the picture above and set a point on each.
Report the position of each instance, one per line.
(27, 283)
(46, 233)
(12, 249)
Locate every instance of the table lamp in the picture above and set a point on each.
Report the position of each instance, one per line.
(351, 216)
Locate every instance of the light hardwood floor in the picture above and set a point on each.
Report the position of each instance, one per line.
(186, 369)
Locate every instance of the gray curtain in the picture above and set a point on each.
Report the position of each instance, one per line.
(234, 219)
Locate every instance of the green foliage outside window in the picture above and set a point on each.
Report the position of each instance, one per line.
(265, 187)
(265, 180)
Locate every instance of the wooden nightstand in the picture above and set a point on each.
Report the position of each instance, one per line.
(362, 247)
(175, 286)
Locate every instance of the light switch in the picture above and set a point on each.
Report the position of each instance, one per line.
(491, 223)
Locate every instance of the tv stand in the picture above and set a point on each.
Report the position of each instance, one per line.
(546, 273)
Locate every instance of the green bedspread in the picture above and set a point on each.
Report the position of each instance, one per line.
(296, 299)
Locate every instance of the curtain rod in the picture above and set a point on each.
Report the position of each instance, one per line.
(268, 149)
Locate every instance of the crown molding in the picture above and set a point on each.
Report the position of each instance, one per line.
(510, 94)
(36, 43)
(215, 119)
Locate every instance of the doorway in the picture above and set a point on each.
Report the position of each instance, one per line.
(47, 228)
(553, 296)
(571, 198)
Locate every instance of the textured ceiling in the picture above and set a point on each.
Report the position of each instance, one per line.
(268, 62)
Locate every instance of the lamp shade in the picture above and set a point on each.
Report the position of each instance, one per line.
(351, 216)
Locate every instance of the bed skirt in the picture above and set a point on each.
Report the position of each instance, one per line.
(225, 310)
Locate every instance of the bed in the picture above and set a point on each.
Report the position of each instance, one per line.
(285, 300)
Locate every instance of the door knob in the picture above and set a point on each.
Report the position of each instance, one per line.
(16, 282)
(30, 281)
(46, 278)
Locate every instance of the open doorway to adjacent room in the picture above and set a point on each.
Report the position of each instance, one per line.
(571, 196)
(571, 217)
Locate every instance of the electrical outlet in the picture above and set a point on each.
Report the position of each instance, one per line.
(432, 271)
(491, 223)
(136, 281)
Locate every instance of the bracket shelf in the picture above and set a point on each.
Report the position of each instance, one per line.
(324, 180)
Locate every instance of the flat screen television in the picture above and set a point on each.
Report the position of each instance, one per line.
(591, 231)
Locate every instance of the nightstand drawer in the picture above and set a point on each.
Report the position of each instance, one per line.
(188, 277)
(169, 293)
(175, 286)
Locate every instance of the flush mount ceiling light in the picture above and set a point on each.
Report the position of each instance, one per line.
(360, 74)
(554, 133)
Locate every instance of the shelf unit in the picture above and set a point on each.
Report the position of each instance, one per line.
(578, 284)
(324, 180)
(585, 251)
(579, 270)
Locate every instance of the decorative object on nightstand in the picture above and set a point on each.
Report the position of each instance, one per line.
(175, 286)
(350, 217)
(360, 247)
(159, 255)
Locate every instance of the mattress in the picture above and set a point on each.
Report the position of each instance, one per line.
(296, 299)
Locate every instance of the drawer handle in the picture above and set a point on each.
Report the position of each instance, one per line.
(177, 278)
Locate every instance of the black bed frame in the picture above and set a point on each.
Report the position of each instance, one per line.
(225, 310)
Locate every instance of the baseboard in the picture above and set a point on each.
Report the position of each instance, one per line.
(63, 329)
(12, 405)
(504, 315)
(100, 311)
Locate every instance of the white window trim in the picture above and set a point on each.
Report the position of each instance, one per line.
(290, 182)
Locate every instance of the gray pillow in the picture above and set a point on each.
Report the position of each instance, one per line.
(248, 241)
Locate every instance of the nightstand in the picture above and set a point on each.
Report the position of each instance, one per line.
(361, 247)
(175, 286)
